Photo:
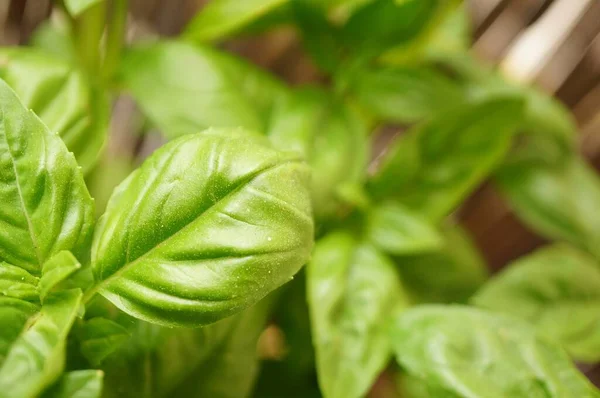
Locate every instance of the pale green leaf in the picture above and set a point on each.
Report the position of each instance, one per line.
(55, 270)
(77, 7)
(17, 283)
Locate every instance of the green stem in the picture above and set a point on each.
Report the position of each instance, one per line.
(89, 28)
(115, 38)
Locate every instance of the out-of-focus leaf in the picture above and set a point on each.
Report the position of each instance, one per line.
(405, 94)
(558, 201)
(434, 166)
(330, 136)
(35, 358)
(17, 283)
(183, 248)
(77, 7)
(472, 353)
(221, 17)
(55, 270)
(46, 207)
(77, 384)
(54, 37)
(396, 230)
(353, 290)
(100, 337)
(62, 96)
(449, 275)
(184, 88)
(557, 289)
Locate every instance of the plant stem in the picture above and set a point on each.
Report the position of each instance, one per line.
(115, 37)
(89, 28)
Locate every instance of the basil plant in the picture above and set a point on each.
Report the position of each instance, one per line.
(174, 267)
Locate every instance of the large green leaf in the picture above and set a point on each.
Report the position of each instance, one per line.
(222, 17)
(433, 167)
(330, 136)
(17, 283)
(77, 384)
(450, 274)
(35, 357)
(559, 201)
(557, 289)
(62, 96)
(188, 248)
(352, 291)
(184, 88)
(46, 205)
(406, 94)
(475, 354)
(396, 230)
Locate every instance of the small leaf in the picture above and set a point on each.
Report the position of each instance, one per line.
(557, 289)
(62, 96)
(17, 283)
(14, 314)
(47, 207)
(352, 292)
(558, 201)
(77, 384)
(221, 17)
(77, 7)
(434, 166)
(100, 337)
(184, 88)
(397, 230)
(36, 358)
(55, 270)
(181, 248)
(472, 353)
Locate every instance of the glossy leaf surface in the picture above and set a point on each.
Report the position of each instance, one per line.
(55, 270)
(188, 248)
(353, 290)
(17, 283)
(35, 358)
(556, 289)
(77, 384)
(62, 96)
(46, 205)
(14, 314)
(472, 353)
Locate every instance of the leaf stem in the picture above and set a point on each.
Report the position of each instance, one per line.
(89, 28)
(115, 37)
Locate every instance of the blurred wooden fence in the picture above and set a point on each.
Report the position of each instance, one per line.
(552, 43)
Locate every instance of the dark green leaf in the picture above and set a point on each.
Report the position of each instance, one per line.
(77, 7)
(36, 357)
(221, 17)
(99, 337)
(17, 283)
(46, 205)
(449, 275)
(188, 248)
(396, 230)
(557, 289)
(184, 88)
(55, 270)
(559, 201)
(472, 353)
(330, 136)
(77, 384)
(433, 167)
(352, 292)
(62, 97)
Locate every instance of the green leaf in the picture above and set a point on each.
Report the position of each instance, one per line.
(451, 274)
(184, 88)
(352, 291)
(557, 289)
(47, 207)
(330, 136)
(405, 95)
(36, 358)
(436, 165)
(62, 96)
(181, 248)
(558, 201)
(219, 18)
(17, 283)
(77, 7)
(472, 353)
(55, 270)
(100, 337)
(14, 314)
(77, 384)
(396, 230)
